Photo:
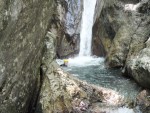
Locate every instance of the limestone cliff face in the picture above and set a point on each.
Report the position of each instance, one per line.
(23, 25)
(69, 20)
(122, 30)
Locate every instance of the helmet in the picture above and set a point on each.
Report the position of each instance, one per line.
(66, 60)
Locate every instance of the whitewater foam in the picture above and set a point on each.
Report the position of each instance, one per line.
(122, 110)
(82, 61)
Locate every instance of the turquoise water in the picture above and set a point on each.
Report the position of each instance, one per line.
(93, 70)
(108, 78)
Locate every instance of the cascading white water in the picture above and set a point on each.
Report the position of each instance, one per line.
(86, 27)
(85, 57)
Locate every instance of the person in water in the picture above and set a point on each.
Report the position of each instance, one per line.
(65, 63)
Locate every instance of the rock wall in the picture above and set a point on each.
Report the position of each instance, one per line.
(69, 21)
(121, 31)
(23, 25)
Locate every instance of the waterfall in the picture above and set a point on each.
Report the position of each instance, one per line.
(85, 57)
(86, 27)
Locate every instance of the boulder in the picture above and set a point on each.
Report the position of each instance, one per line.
(143, 101)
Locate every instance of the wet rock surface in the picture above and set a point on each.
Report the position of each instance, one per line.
(143, 100)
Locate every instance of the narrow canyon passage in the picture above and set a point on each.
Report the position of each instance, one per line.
(68, 56)
(92, 69)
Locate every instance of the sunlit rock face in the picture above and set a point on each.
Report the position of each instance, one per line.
(23, 26)
(131, 7)
(121, 32)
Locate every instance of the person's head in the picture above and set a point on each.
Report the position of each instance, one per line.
(66, 62)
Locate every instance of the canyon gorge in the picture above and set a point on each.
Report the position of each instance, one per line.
(34, 33)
